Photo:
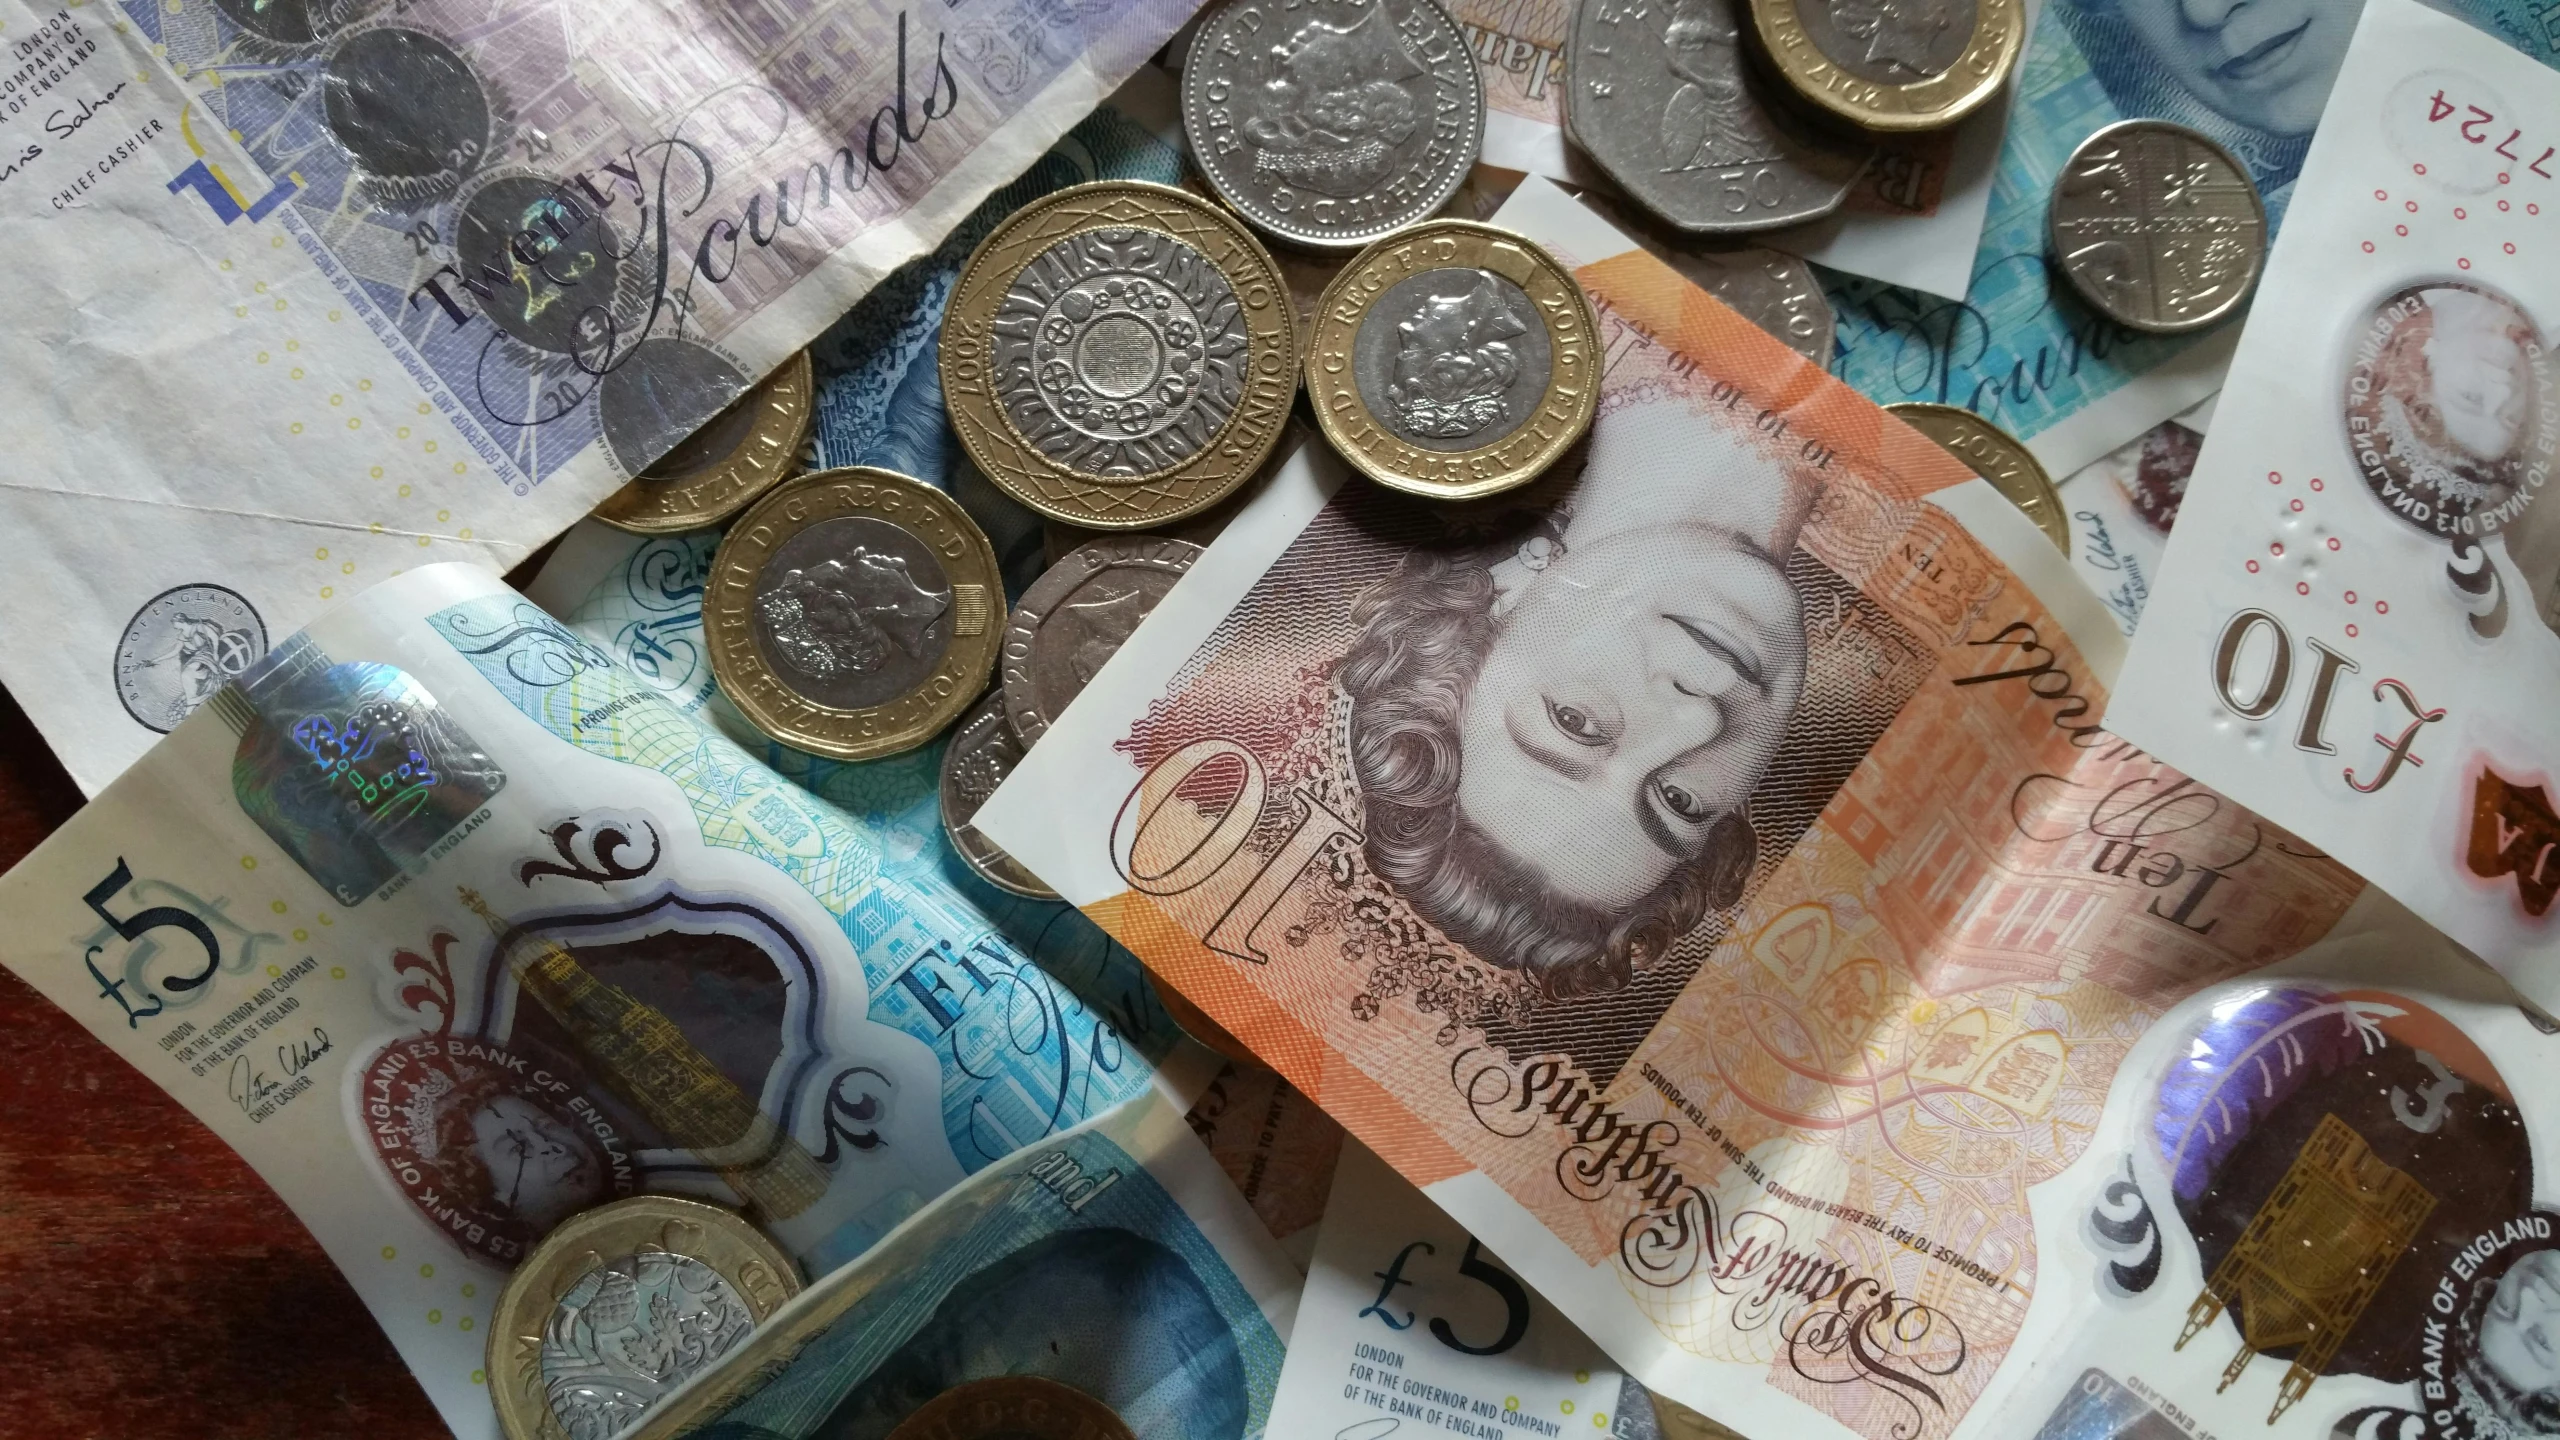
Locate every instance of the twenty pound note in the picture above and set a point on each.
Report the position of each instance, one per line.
(2356, 627)
(1704, 875)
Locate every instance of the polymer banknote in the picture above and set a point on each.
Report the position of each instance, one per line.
(2356, 628)
(2122, 506)
(2018, 347)
(1705, 877)
(1113, 1263)
(453, 926)
(311, 293)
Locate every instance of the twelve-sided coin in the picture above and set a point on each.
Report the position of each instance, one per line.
(2157, 227)
(1898, 64)
(1076, 616)
(1996, 456)
(722, 467)
(853, 613)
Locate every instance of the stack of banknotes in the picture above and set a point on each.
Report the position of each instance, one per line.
(968, 898)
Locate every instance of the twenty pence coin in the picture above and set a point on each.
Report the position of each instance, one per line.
(2157, 227)
(1454, 360)
(853, 613)
(1996, 456)
(1328, 123)
(1894, 64)
(1119, 355)
(650, 1276)
(1013, 1407)
(1076, 616)
(983, 751)
(721, 468)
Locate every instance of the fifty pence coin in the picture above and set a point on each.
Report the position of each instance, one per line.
(1894, 64)
(1328, 123)
(1119, 355)
(853, 613)
(1770, 288)
(1454, 360)
(621, 1305)
(719, 469)
(1076, 616)
(982, 752)
(1996, 456)
(1663, 97)
(2157, 227)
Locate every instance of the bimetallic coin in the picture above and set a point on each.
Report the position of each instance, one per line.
(1013, 1407)
(983, 751)
(1996, 456)
(1076, 616)
(853, 613)
(1662, 96)
(2157, 227)
(1119, 355)
(1770, 288)
(1894, 64)
(1329, 123)
(621, 1305)
(719, 469)
(1454, 360)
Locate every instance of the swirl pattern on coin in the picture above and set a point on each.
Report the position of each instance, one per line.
(632, 1331)
(1119, 352)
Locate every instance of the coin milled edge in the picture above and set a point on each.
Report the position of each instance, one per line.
(786, 404)
(1361, 438)
(1999, 38)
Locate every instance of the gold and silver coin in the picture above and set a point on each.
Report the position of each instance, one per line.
(1898, 65)
(721, 468)
(853, 613)
(1996, 456)
(1328, 123)
(2157, 227)
(983, 751)
(1454, 360)
(619, 1306)
(1119, 355)
(1076, 616)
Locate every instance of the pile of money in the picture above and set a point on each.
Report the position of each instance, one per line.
(1325, 720)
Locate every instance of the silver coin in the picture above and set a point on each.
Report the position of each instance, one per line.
(630, 1332)
(1076, 616)
(1329, 123)
(982, 752)
(1770, 288)
(1660, 93)
(2157, 227)
(853, 612)
(182, 646)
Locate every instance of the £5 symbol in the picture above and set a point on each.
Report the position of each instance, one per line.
(1473, 1266)
(171, 949)
(2253, 670)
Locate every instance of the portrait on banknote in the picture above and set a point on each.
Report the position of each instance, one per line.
(2452, 407)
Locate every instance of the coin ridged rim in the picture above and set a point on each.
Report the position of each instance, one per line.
(2257, 204)
(1234, 451)
(1517, 457)
(967, 840)
(786, 408)
(770, 703)
(1929, 418)
(1990, 56)
(731, 1245)
(1043, 596)
(1471, 153)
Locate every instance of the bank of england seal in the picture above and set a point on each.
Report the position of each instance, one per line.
(620, 1306)
(716, 470)
(1454, 360)
(184, 644)
(853, 613)
(1894, 65)
(983, 751)
(1119, 355)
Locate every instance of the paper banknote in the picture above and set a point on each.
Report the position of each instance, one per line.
(1408, 1323)
(1738, 923)
(453, 926)
(2354, 627)
(2021, 350)
(310, 293)
(1106, 1274)
(2122, 505)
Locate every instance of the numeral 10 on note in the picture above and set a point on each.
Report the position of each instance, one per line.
(2254, 672)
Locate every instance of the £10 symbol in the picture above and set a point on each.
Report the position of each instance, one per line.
(2256, 688)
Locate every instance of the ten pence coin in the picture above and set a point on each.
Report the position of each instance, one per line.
(1076, 616)
(1996, 456)
(1328, 123)
(722, 467)
(1894, 64)
(983, 751)
(1119, 355)
(853, 613)
(2157, 227)
(1454, 360)
(619, 1306)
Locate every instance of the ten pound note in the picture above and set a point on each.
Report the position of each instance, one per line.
(2353, 629)
(1703, 875)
